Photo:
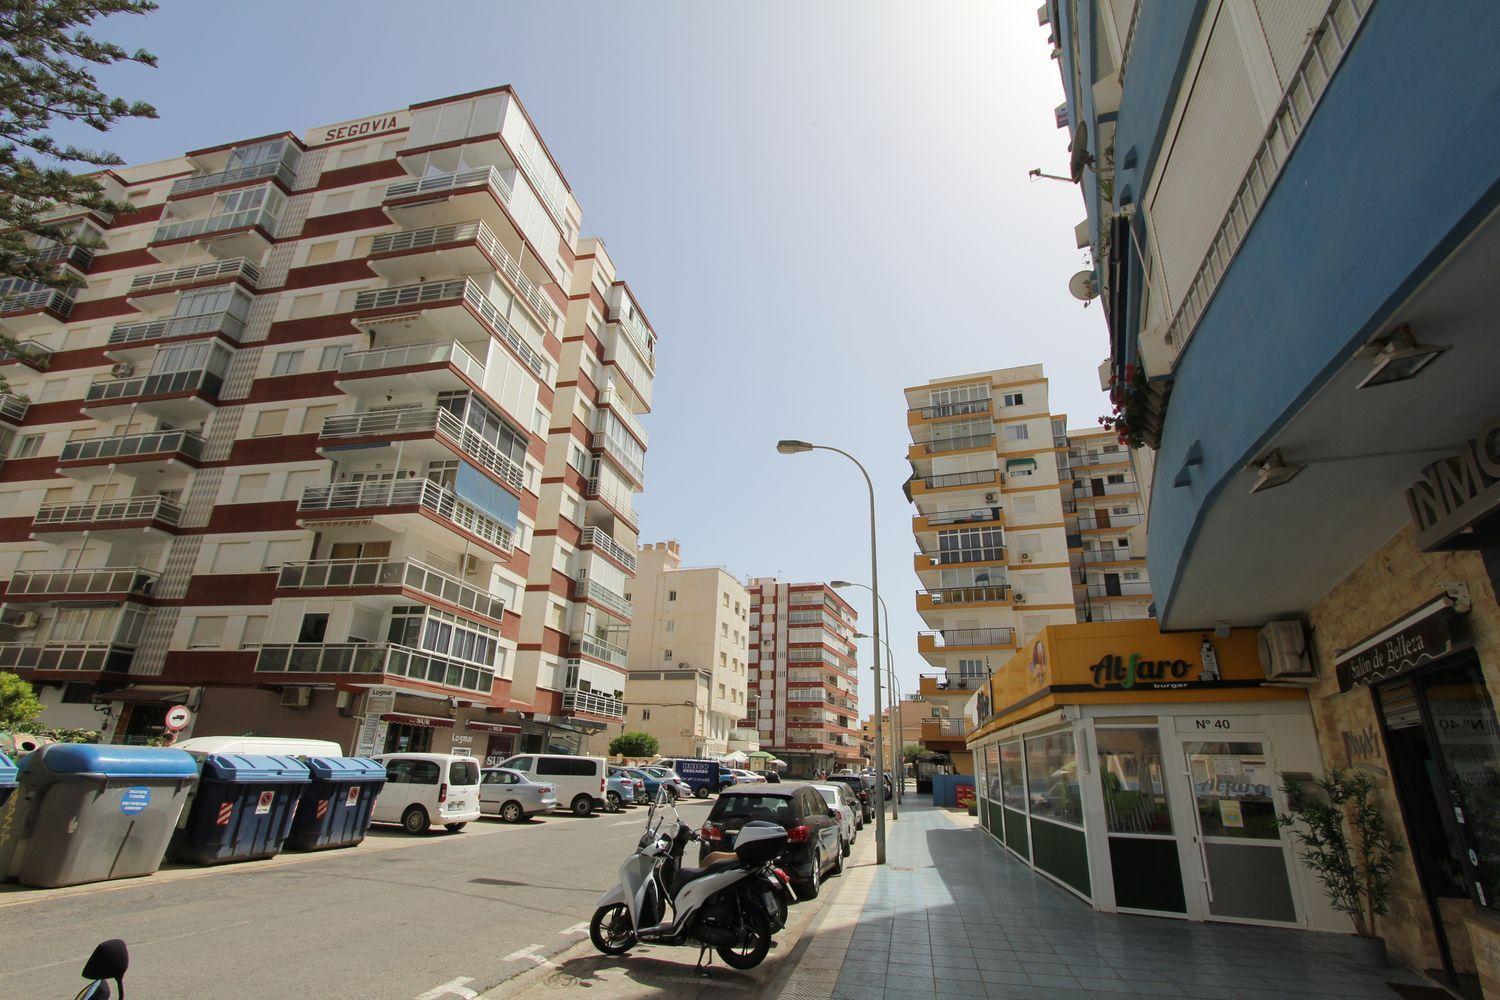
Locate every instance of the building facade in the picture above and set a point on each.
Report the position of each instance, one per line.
(1102, 507)
(1314, 380)
(689, 655)
(329, 442)
(804, 687)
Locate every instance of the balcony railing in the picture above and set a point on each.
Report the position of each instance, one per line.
(81, 582)
(408, 493)
(619, 500)
(961, 479)
(29, 352)
(357, 574)
(336, 658)
(1126, 588)
(1100, 458)
(261, 217)
(954, 682)
(163, 383)
(621, 456)
(941, 445)
(146, 508)
(967, 595)
(431, 292)
(277, 169)
(178, 326)
(598, 538)
(609, 397)
(588, 645)
(973, 637)
(1115, 554)
(80, 657)
(453, 353)
(1103, 489)
(438, 420)
(1113, 613)
(58, 301)
(128, 445)
(440, 183)
(75, 255)
(13, 408)
(636, 331)
(943, 729)
(592, 590)
(464, 232)
(956, 409)
(987, 554)
(1085, 522)
(971, 515)
(593, 703)
(238, 267)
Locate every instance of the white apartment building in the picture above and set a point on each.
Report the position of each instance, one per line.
(689, 655)
(337, 438)
(1106, 528)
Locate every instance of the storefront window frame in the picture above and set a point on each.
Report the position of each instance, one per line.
(1078, 782)
(1006, 786)
(1163, 746)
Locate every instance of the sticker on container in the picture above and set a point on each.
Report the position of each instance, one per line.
(264, 805)
(1230, 814)
(352, 799)
(135, 799)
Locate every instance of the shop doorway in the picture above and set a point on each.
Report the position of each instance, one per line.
(403, 738)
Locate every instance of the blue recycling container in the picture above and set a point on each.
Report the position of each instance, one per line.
(243, 810)
(336, 804)
(87, 813)
(7, 779)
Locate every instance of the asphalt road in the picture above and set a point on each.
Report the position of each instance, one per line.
(398, 917)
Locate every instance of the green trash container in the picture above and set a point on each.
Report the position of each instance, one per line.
(88, 813)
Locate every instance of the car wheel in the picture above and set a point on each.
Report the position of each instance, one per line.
(614, 802)
(838, 860)
(454, 827)
(583, 806)
(809, 889)
(610, 929)
(414, 820)
(512, 812)
(701, 791)
(846, 847)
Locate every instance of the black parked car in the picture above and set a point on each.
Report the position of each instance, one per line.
(861, 791)
(813, 848)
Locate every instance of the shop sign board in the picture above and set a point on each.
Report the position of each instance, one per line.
(1423, 635)
(1455, 491)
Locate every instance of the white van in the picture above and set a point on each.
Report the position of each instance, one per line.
(423, 790)
(579, 780)
(282, 745)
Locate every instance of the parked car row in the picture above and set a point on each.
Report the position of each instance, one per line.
(817, 820)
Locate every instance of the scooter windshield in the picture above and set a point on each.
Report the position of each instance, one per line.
(663, 812)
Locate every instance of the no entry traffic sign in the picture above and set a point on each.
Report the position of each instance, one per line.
(178, 717)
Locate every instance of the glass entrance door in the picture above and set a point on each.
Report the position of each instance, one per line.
(1240, 848)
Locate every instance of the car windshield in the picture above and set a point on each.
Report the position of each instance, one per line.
(772, 808)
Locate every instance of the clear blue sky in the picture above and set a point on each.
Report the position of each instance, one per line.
(818, 203)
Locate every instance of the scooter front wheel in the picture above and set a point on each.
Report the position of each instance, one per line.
(754, 943)
(610, 929)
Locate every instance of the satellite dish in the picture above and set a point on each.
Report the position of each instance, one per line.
(1083, 286)
(1080, 149)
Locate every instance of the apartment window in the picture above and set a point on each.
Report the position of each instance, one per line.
(666, 656)
(671, 595)
(28, 446)
(286, 362)
(314, 628)
(207, 633)
(1119, 510)
(671, 626)
(318, 253)
(269, 423)
(726, 599)
(724, 629)
(331, 356)
(1117, 478)
(579, 460)
(252, 487)
(255, 630)
(1023, 505)
(1012, 398)
(645, 714)
(1017, 432)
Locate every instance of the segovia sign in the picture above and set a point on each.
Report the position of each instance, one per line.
(1457, 490)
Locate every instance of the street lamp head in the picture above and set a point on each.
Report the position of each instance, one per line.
(839, 584)
(862, 635)
(790, 447)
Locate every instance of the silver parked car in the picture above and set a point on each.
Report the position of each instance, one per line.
(512, 796)
(846, 808)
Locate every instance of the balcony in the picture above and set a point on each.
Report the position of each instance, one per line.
(130, 513)
(616, 500)
(222, 322)
(990, 555)
(965, 638)
(1088, 489)
(612, 399)
(336, 501)
(173, 396)
(463, 248)
(1125, 588)
(113, 582)
(436, 366)
(439, 298)
(924, 449)
(1110, 555)
(277, 170)
(369, 663)
(172, 446)
(635, 331)
(481, 193)
(67, 657)
(598, 538)
(947, 597)
(13, 408)
(437, 422)
(395, 576)
(937, 684)
(261, 222)
(980, 477)
(31, 353)
(28, 307)
(592, 703)
(942, 410)
(621, 456)
(947, 518)
(1091, 458)
(599, 649)
(1104, 521)
(174, 280)
(74, 255)
(944, 729)
(590, 590)
(1112, 613)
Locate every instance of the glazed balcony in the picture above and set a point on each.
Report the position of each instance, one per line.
(67, 657)
(988, 555)
(944, 598)
(222, 322)
(636, 332)
(576, 702)
(28, 307)
(437, 423)
(948, 518)
(591, 590)
(279, 171)
(598, 649)
(395, 577)
(456, 307)
(599, 539)
(30, 353)
(942, 411)
(170, 446)
(73, 255)
(460, 248)
(108, 583)
(130, 514)
(967, 442)
(408, 496)
(174, 280)
(436, 366)
(369, 663)
(613, 400)
(615, 500)
(261, 221)
(172, 396)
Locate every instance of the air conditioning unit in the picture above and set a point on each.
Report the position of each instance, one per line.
(1026, 557)
(992, 498)
(344, 702)
(296, 697)
(26, 620)
(1284, 652)
(122, 370)
(469, 564)
(1018, 598)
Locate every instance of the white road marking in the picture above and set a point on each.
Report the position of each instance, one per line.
(576, 928)
(625, 822)
(529, 954)
(453, 987)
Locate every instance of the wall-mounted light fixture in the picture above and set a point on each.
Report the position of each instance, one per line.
(1398, 357)
(1274, 471)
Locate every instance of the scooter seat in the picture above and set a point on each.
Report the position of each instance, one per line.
(686, 875)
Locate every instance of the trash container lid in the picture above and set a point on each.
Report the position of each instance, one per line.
(345, 769)
(260, 769)
(7, 771)
(111, 761)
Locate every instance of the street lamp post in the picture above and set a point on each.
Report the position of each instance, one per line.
(897, 712)
(790, 447)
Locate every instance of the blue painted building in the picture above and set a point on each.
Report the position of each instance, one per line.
(1293, 211)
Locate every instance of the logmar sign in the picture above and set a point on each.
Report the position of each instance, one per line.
(359, 128)
(1455, 491)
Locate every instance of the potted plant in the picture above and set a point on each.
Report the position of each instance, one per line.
(1355, 871)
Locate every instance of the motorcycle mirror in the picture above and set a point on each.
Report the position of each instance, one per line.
(109, 961)
(97, 990)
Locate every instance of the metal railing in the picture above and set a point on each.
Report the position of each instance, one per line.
(73, 254)
(1081, 459)
(261, 217)
(956, 409)
(354, 574)
(145, 508)
(1118, 554)
(408, 493)
(71, 582)
(1327, 45)
(127, 445)
(237, 267)
(13, 408)
(83, 657)
(452, 353)
(973, 636)
(463, 232)
(970, 515)
(178, 326)
(962, 479)
(1085, 522)
(636, 331)
(433, 292)
(623, 458)
(592, 590)
(277, 169)
(941, 445)
(58, 301)
(618, 500)
(598, 538)
(29, 352)
(438, 420)
(986, 554)
(1125, 588)
(1112, 613)
(588, 645)
(593, 703)
(1089, 489)
(439, 183)
(162, 383)
(956, 682)
(374, 658)
(610, 398)
(948, 728)
(967, 595)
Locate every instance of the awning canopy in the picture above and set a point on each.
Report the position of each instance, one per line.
(1012, 464)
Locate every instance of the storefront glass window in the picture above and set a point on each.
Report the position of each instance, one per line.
(1052, 777)
(1464, 722)
(1012, 776)
(992, 774)
(1134, 780)
(1232, 783)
